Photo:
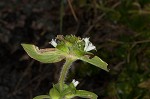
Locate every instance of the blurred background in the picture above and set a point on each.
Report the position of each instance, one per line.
(120, 29)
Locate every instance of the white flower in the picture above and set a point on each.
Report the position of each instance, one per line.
(88, 45)
(75, 83)
(53, 42)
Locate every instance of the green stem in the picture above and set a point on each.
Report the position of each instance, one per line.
(64, 72)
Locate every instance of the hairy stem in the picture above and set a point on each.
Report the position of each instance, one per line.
(64, 72)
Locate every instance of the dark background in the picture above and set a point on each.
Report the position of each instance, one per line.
(120, 29)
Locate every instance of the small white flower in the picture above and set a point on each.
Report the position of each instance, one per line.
(53, 42)
(75, 83)
(88, 45)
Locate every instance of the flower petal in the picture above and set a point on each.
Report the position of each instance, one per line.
(75, 83)
(88, 45)
(53, 42)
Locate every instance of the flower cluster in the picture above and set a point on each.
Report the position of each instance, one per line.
(88, 46)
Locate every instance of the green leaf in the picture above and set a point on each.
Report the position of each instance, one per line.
(48, 55)
(69, 90)
(42, 97)
(54, 93)
(86, 94)
(83, 94)
(95, 61)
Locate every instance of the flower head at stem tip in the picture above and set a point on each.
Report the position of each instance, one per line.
(75, 83)
(53, 42)
(88, 45)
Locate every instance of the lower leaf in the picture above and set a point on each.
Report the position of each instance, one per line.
(42, 97)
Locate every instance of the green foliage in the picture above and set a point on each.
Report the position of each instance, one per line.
(68, 92)
(71, 48)
(67, 47)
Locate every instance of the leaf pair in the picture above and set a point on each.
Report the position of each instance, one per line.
(52, 55)
(68, 93)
